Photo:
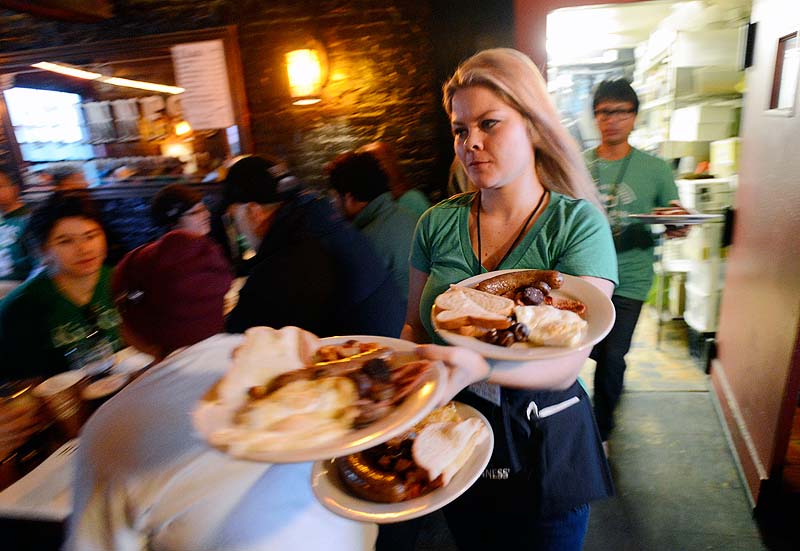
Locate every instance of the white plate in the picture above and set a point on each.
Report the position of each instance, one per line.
(334, 496)
(211, 416)
(130, 360)
(675, 219)
(600, 316)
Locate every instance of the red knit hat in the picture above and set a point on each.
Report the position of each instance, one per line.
(170, 293)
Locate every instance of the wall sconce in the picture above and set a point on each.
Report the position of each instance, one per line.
(182, 128)
(308, 70)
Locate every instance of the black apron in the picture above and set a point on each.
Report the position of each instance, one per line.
(544, 465)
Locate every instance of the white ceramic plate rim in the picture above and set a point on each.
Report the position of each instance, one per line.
(331, 493)
(413, 409)
(685, 219)
(594, 332)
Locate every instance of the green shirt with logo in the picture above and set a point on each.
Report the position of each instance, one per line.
(646, 182)
(571, 236)
(15, 263)
(39, 326)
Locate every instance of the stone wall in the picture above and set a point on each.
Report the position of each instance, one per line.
(382, 86)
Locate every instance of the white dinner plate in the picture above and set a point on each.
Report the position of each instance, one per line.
(600, 316)
(211, 415)
(330, 491)
(675, 219)
(130, 361)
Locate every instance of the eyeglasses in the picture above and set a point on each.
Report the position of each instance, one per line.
(606, 114)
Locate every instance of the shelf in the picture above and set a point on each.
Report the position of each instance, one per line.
(656, 103)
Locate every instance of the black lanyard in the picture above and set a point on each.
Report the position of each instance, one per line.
(519, 235)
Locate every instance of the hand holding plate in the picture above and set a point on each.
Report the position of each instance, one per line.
(464, 367)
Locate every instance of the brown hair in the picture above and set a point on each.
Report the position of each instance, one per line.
(516, 80)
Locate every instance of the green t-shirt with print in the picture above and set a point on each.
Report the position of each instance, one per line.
(390, 229)
(571, 236)
(646, 183)
(39, 326)
(15, 263)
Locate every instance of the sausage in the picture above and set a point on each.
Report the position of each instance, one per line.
(340, 368)
(369, 482)
(509, 283)
(567, 304)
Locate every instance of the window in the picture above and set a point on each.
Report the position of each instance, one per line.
(784, 84)
(48, 124)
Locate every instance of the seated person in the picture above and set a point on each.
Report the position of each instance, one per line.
(364, 197)
(15, 263)
(179, 207)
(68, 178)
(66, 309)
(311, 268)
(407, 196)
(144, 479)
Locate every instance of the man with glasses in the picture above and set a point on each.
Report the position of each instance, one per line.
(630, 182)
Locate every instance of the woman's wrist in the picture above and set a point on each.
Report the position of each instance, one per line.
(490, 365)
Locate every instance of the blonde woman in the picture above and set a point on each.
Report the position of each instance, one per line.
(534, 207)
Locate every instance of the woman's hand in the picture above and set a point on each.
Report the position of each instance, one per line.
(464, 366)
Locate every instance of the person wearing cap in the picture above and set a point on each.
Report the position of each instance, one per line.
(179, 207)
(365, 200)
(311, 268)
(143, 478)
(65, 310)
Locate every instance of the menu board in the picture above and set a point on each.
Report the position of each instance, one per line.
(200, 69)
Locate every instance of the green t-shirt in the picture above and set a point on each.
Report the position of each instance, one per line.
(39, 325)
(390, 229)
(15, 263)
(414, 201)
(646, 183)
(571, 236)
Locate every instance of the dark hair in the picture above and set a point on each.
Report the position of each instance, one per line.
(359, 174)
(615, 90)
(258, 179)
(172, 202)
(61, 173)
(56, 207)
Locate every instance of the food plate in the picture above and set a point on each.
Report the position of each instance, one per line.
(675, 219)
(332, 493)
(600, 316)
(211, 416)
(131, 361)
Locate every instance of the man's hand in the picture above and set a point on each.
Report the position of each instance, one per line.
(675, 208)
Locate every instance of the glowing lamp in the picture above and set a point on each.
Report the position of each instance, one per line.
(182, 128)
(306, 69)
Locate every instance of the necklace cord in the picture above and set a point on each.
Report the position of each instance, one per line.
(516, 240)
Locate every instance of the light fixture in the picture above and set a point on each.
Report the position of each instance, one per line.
(87, 75)
(307, 69)
(182, 128)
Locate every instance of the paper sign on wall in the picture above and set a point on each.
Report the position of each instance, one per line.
(200, 69)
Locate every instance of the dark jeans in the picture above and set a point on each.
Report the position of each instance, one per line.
(480, 530)
(610, 357)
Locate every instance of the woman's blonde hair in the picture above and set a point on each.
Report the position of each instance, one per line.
(516, 80)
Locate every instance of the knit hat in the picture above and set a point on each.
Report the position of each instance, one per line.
(172, 202)
(258, 179)
(170, 293)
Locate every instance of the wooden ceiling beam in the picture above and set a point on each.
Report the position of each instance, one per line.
(78, 11)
